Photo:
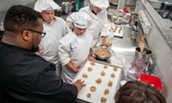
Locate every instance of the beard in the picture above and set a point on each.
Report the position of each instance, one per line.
(35, 49)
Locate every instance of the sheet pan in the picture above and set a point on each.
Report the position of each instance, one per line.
(93, 76)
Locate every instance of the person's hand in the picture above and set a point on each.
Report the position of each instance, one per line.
(77, 69)
(40, 52)
(105, 44)
(91, 58)
(81, 65)
(80, 84)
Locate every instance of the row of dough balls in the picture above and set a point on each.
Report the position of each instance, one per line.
(105, 66)
(102, 73)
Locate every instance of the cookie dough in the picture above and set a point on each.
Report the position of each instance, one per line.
(90, 69)
(112, 75)
(105, 66)
(98, 81)
(103, 99)
(121, 27)
(85, 75)
(102, 73)
(119, 31)
(93, 88)
(115, 68)
(110, 83)
(89, 95)
(106, 91)
(92, 63)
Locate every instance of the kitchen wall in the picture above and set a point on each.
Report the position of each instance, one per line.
(161, 50)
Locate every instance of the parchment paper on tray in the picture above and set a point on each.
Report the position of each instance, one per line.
(117, 30)
(100, 88)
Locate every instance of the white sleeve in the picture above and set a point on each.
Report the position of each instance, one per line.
(105, 27)
(64, 53)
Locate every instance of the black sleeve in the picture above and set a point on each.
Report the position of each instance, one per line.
(47, 87)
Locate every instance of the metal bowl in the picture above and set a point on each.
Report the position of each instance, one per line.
(100, 48)
(118, 20)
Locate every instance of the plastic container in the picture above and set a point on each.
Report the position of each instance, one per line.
(153, 80)
(110, 37)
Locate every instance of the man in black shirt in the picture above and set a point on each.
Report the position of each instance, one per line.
(25, 76)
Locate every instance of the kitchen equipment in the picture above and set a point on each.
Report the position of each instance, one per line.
(153, 80)
(141, 43)
(111, 16)
(103, 49)
(134, 19)
(141, 59)
(126, 17)
(134, 33)
(67, 7)
(118, 20)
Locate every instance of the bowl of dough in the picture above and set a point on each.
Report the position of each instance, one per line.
(103, 52)
(118, 20)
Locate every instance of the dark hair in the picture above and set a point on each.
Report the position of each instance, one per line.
(138, 92)
(19, 18)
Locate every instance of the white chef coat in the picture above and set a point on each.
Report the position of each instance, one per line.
(75, 49)
(99, 23)
(54, 32)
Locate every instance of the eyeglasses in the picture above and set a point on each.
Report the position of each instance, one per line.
(41, 33)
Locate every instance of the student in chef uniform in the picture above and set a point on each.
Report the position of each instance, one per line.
(55, 28)
(97, 11)
(138, 92)
(74, 48)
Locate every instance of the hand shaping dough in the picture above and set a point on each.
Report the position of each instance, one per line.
(112, 75)
(85, 75)
(93, 88)
(110, 83)
(90, 69)
(89, 95)
(102, 73)
(115, 68)
(106, 91)
(103, 99)
(98, 81)
(105, 66)
(92, 63)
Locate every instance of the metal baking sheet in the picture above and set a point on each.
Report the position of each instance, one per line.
(100, 88)
(116, 33)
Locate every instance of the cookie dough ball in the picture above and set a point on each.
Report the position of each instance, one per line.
(113, 75)
(115, 68)
(90, 69)
(103, 99)
(106, 91)
(102, 73)
(85, 75)
(105, 66)
(93, 88)
(92, 63)
(110, 83)
(98, 81)
(89, 95)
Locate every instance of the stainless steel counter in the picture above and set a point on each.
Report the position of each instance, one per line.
(124, 49)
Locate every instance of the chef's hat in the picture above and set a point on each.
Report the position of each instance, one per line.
(102, 4)
(42, 5)
(79, 19)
